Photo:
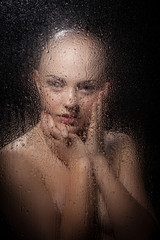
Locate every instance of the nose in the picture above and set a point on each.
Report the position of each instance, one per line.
(71, 100)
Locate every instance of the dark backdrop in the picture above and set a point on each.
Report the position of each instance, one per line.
(134, 107)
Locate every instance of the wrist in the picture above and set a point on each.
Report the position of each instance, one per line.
(81, 163)
(100, 163)
(97, 156)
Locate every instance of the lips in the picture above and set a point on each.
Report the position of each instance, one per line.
(69, 119)
(68, 115)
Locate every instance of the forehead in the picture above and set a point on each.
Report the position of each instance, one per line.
(76, 55)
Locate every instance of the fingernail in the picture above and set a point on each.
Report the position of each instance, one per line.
(64, 133)
(50, 121)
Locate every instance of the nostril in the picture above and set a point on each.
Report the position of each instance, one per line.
(74, 109)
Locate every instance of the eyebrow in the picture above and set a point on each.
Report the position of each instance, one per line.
(57, 78)
(90, 81)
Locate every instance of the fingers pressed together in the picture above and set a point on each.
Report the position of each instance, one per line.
(50, 129)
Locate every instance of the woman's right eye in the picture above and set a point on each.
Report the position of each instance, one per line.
(54, 84)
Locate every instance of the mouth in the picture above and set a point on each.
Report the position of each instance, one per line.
(69, 119)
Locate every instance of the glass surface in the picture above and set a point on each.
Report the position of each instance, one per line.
(56, 59)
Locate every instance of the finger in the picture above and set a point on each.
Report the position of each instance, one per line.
(99, 109)
(73, 141)
(100, 114)
(54, 131)
(48, 126)
(95, 133)
(64, 129)
(93, 122)
(44, 124)
(96, 116)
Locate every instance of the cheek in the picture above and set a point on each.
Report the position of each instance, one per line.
(50, 101)
(86, 104)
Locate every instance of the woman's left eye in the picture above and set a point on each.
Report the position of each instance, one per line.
(87, 88)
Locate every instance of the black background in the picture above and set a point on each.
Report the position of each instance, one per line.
(134, 27)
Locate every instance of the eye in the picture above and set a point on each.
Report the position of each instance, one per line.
(55, 84)
(87, 88)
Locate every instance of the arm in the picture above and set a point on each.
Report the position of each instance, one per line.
(120, 183)
(77, 215)
(78, 210)
(25, 201)
(124, 194)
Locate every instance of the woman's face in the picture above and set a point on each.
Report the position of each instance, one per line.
(70, 77)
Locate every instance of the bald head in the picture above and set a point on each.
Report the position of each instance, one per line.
(73, 51)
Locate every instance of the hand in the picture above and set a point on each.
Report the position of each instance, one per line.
(66, 146)
(95, 137)
(69, 147)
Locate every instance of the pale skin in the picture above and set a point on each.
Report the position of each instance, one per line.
(65, 171)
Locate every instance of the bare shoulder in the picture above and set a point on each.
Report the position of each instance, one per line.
(127, 164)
(19, 163)
(121, 149)
(21, 144)
(112, 137)
(25, 149)
(23, 187)
(16, 158)
(28, 159)
(119, 141)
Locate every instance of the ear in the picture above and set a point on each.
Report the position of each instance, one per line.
(36, 79)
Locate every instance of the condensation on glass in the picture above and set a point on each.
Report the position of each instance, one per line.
(72, 141)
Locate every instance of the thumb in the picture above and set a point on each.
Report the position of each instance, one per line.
(76, 145)
(72, 140)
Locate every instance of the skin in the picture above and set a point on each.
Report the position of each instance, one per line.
(73, 166)
(69, 84)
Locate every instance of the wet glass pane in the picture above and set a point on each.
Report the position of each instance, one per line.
(78, 120)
